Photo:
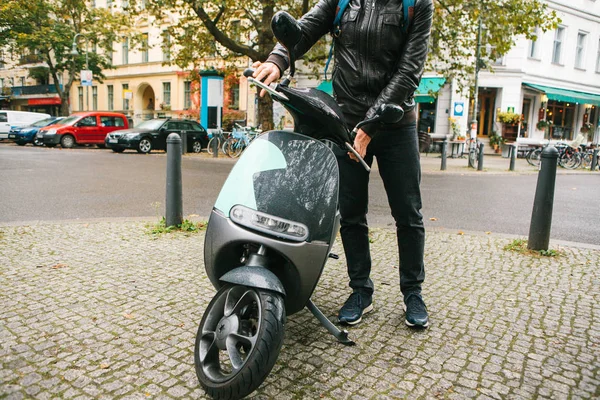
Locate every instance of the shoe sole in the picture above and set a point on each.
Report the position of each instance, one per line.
(365, 311)
(414, 325)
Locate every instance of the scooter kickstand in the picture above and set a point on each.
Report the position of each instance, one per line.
(340, 335)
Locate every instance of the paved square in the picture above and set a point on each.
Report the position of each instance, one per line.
(103, 310)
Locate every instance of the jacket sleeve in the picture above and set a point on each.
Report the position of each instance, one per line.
(315, 23)
(406, 79)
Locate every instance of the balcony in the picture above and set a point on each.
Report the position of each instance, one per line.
(35, 89)
(30, 59)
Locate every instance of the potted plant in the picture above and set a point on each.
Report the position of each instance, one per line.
(509, 118)
(454, 127)
(495, 141)
(586, 127)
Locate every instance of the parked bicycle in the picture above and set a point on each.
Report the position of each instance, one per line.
(221, 137)
(473, 146)
(240, 139)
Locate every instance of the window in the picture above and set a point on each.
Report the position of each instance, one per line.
(598, 58)
(22, 81)
(558, 39)
(88, 121)
(167, 92)
(580, 50)
(145, 48)
(80, 96)
(125, 47)
(166, 46)
(111, 121)
(109, 4)
(187, 95)
(3, 117)
(111, 97)
(94, 97)
(125, 96)
(235, 30)
(235, 96)
(2, 82)
(533, 44)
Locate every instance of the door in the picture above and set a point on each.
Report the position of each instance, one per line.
(4, 125)
(487, 99)
(86, 130)
(168, 128)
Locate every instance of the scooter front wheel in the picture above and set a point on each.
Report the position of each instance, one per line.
(238, 340)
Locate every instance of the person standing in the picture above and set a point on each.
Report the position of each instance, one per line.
(379, 59)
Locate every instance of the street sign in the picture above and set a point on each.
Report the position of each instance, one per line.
(459, 108)
(86, 77)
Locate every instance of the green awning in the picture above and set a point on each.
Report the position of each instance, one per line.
(566, 95)
(423, 94)
(427, 89)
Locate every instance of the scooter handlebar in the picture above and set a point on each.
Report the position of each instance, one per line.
(248, 72)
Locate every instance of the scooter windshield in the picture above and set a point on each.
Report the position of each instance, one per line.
(286, 175)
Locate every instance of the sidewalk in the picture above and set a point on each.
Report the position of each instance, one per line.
(102, 310)
(431, 163)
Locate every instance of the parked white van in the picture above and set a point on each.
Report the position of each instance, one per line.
(10, 118)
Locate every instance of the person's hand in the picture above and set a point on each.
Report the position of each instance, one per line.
(266, 72)
(361, 142)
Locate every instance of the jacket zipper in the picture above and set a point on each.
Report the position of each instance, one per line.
(366, 65)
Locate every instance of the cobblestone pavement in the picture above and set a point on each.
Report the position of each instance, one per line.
(104, 310)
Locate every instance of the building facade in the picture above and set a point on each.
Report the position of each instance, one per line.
(555, 78)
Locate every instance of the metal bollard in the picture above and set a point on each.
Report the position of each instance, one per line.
(513, 156)
(215, 145)
(480, 159)
(444, 149)
(174, 212)
(594, 160)
(541, 217)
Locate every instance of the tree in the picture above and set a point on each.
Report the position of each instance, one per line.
(454, 35)
(231, 28)
(47, 28)
(227, 30)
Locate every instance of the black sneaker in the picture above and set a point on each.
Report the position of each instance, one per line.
(416, 311)
(355, 307)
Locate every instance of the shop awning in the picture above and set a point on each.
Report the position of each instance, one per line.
(423, 94)
(566, 95)
(427, 88)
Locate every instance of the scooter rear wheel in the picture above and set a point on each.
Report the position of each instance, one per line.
(238, 340)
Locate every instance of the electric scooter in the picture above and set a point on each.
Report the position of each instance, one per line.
(270, 233)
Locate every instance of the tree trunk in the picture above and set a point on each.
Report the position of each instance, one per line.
(64, 105)
(265, 113)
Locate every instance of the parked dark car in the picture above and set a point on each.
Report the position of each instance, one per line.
(27, 134)
(152, 135)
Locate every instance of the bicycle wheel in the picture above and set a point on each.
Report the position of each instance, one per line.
(209, 147)
(237, 149)
(473, 156)
(534, 157)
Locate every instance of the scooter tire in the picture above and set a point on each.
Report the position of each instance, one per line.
(238, 340)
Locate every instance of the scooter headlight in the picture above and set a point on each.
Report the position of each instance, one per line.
(270, 224)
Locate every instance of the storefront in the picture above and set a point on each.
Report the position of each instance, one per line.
(427, 103)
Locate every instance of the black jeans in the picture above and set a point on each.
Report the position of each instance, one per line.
(397, 152)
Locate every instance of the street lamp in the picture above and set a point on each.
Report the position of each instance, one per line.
(74, 52)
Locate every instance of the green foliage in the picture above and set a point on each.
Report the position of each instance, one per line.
(520, 246)
(454, 34)
(185, 226)
(509, 118)
(47, 28)
(496, 139)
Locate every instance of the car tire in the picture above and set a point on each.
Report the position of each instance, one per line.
(196, 146)
(37, 142)
(118, 149)
(144, 146)
(67, 142)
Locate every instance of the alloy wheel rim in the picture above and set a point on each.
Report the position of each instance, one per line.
(229, 333)
(145, 145)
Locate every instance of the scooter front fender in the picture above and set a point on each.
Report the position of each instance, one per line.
(257, 277)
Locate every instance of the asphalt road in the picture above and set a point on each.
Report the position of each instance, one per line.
(42, 184)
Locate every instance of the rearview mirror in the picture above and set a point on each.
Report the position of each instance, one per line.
(288, 32)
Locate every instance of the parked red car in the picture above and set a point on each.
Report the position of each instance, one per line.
(83, 128)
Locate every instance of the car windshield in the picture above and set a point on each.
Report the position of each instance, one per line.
(69, 120)
(43, 122)
(152, 124)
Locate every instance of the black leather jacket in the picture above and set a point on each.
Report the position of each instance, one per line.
(376, 62)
